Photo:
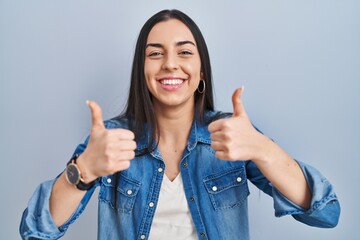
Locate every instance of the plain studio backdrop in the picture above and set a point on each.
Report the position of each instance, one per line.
(298, 60)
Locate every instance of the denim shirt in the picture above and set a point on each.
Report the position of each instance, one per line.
(216, 191)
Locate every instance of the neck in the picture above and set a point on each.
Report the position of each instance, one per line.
(174, 123)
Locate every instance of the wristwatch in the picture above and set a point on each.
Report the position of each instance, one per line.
(73, 175)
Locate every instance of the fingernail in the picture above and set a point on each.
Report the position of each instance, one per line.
(87, 102)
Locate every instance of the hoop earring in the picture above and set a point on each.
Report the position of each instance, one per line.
(203, 88)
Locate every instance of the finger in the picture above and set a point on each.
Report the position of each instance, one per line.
(218, 136)
(121, 165)
(221, 155)
(217, 146)
(123, 134)
(238, 106)
(96, 116)
(125, 155)
(216, 125)
(125, 145)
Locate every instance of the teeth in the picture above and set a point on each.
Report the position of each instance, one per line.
(172, 81)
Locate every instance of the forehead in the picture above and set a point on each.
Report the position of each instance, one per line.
(170, 31)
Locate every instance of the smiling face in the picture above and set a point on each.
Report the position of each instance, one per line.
(172, 64)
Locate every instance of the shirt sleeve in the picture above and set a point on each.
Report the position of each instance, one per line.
(36, 221)
(324, 211)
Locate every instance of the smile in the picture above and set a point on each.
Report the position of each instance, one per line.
(171, 81)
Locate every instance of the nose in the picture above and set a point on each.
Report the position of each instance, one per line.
(170, 62)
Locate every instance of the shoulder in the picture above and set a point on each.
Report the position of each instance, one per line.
(117, 122)
(210, 116)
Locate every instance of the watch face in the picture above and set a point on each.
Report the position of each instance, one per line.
(72, 174)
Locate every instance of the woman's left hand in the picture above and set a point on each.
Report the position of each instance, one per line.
(235, 138)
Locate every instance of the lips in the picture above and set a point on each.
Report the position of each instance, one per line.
(172, 81)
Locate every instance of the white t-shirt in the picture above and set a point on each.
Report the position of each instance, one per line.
(172, 219)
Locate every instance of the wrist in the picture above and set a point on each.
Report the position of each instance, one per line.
(74, 176)
(86, 175)
(266, 149)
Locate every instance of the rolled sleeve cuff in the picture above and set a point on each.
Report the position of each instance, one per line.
(37, 222)
(324, 210)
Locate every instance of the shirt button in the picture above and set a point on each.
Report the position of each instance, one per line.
(192, 199)
(108, 180)
(151, 204)
(184, 164)
(202, 234)
(238, 179)
(129, 192)
(142, 236)
(214, 188)
(160, 169)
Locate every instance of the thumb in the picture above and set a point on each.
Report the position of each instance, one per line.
(238, 106)
(96, 116)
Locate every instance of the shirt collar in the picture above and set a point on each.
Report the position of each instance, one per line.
(199, 133)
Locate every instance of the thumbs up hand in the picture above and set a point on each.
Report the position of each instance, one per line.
(235, 138)
(108, 150)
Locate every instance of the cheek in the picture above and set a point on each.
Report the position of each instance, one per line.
(193, 69)
(148, 73)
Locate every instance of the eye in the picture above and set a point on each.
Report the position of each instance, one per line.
(185, 52)
(154, 54)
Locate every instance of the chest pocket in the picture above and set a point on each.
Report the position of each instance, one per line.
(126, 192)
(227, 189)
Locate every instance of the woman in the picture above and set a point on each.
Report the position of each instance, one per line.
(171, 167)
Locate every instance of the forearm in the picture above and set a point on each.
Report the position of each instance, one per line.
(64, 200)
(284, 173)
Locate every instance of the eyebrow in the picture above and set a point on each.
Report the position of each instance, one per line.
(159, 45)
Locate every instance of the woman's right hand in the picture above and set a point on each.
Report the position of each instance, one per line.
(108, 150)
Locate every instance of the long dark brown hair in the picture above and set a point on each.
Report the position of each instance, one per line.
(139, 109)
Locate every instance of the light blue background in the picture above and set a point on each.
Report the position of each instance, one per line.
(299, 62)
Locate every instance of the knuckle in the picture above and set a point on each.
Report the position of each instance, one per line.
(226, 124)
(226, 137)
(133, 143)
(126, 134)
(125, 164)
(219, 155)
(107, 152)
(108, 168)
(131, 135)
(226, 148)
